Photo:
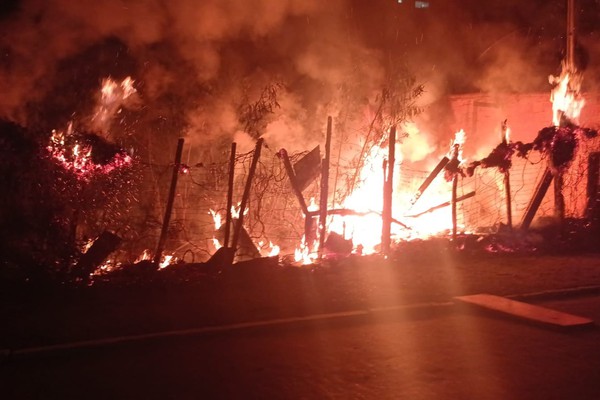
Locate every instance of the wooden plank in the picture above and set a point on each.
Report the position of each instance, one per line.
(537, 198)
(526, 311)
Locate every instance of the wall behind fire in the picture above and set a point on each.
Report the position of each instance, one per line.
(481, 116)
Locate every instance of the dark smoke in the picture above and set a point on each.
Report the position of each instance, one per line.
(196, 63)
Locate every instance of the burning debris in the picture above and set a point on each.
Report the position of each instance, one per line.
(366, 189)
(86, 154)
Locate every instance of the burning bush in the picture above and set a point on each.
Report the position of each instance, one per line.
(78, 185)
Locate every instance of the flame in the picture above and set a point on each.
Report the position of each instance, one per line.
(274, 250)
(364, 224)
(86, 246)
(166, 261)
(106, 268)
(218, 220)
(304, 255)
(565, 97)
(456, 146)
(146, 255)
(113, 96)
(235, 211)
(216, 243)
(268, 251)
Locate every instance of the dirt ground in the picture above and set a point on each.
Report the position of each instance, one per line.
(192, 296)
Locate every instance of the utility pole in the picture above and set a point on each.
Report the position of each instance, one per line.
(571, 36)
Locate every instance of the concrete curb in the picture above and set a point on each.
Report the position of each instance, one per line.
(38, 350)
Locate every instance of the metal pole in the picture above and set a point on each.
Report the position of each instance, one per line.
(170, 200)
(229, 194)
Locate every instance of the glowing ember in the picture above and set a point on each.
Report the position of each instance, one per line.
(76, 157)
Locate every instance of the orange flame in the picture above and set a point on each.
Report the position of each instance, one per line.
(565, 97)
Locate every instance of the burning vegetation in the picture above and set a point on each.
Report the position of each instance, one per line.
(297, 157)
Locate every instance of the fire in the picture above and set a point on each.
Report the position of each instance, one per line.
(271, 250)
(65, 149)
(166, 261)
(216, 218)
(268, 251)
(306, 254)
(456, 145)
(216, 243)
(565, 97)
(364, 228)
(364, 224)
(106, 268)
(113, 96)
(146, 255)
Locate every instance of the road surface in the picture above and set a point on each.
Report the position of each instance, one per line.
(443, 352)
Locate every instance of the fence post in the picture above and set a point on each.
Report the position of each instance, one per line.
(324, 189)
(240, 222)
(229, 195)
(165, 226)
(388, 191)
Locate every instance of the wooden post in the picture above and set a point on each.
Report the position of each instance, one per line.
(507, 193)
(309, 236)
(454, 201)
(324, 189)
(508, 199)
(388, 191)
(593, 188)
(537, 198)
(240, 222)
(292, 176)
(559, 199)
(228, 218)
(165, 226)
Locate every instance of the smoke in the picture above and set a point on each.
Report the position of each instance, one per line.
(197, 63)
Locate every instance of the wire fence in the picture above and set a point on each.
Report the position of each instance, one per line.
(274, 216)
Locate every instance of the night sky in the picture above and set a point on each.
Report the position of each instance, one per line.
(194, 62)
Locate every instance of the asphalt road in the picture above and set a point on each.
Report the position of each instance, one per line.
(443, 352)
